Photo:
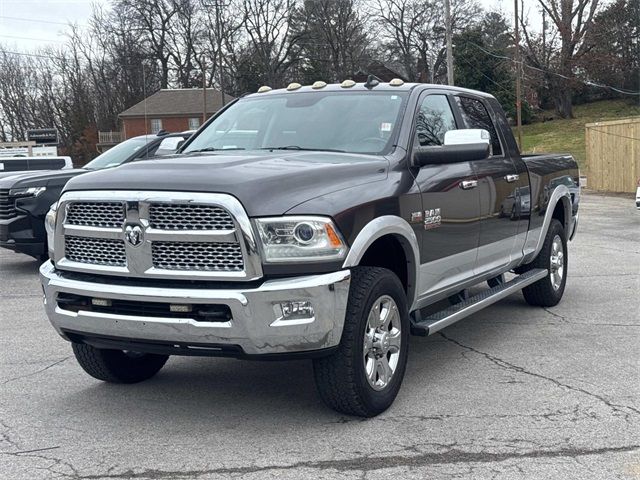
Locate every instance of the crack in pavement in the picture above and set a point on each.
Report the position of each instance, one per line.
(609, 248)
(365, 463)
(571, 414)
(607, 275)
(516, 368)
(37, 371)
(569, 321)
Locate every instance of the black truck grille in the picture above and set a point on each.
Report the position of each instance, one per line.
(7, 205)
(198, 312)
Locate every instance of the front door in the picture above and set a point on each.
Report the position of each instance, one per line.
(450, 204)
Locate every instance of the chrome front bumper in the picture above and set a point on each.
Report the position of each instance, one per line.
(255, 326)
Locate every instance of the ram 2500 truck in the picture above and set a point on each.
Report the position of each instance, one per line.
(325, 222)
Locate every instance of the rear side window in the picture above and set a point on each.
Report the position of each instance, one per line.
(435, 118)
(475, 115)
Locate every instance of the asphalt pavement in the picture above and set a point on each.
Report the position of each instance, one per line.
(513, 392)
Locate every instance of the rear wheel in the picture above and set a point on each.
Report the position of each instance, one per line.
(548, 291)
(118, 366)
(364, 375)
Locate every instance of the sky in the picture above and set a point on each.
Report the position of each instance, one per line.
(26, 25)
(44, 22)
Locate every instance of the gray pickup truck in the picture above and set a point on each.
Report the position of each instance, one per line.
(326, 222)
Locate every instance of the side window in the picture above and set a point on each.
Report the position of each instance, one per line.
(435, 118)
(475, 115)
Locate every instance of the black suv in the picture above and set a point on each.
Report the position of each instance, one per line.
(25, 197)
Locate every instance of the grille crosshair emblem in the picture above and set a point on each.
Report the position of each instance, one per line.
(134, 235)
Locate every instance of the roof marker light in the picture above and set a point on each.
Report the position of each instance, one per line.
(293, 86)
(264, 88)
(318, 84)
(396, 82)
(347, 84)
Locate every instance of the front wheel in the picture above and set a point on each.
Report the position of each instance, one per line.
(364, 375)
(118, 366)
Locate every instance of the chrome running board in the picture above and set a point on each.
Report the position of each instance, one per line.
(439, 320)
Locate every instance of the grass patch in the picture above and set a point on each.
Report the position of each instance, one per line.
(567, 136)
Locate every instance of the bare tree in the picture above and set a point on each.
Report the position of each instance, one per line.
(271, 42)
(570, 21)
(403, 25)
(333, 37)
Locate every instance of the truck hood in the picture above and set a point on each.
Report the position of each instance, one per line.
(36, 177)
(267, 183)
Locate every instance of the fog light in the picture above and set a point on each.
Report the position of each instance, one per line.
(293, 311)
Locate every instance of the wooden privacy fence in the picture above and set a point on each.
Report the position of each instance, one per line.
(613, 155)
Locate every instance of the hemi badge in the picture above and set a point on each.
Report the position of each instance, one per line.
(416, 217)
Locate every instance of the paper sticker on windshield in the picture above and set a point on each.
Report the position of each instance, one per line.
(385, 127)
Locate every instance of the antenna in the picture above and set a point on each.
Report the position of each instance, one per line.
(372, 81)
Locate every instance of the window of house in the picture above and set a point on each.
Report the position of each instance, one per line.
(194, 123)
(435, 118)
(475, 115)
(156, 125)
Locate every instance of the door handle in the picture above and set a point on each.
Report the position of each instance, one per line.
(512, 178)
(468, 184)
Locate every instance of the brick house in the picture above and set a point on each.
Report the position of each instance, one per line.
(173, 110)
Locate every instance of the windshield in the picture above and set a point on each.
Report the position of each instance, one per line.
(354, 122)
(118, 153)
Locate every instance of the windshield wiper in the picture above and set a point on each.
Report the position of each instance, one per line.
(296, 147)
(214, 149)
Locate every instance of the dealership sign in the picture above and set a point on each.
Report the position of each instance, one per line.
(43, 136)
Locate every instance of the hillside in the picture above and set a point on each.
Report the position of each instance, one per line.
(568, 135)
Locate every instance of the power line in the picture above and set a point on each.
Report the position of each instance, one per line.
(35, 20)
(31, 38)
(50, 57)
(586, 82)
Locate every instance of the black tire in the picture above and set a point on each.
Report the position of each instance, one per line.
(341, 378)
(117, 366)
(542, 293)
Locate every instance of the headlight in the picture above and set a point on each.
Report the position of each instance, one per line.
(308, 239)
(26, 191)
(50, 227)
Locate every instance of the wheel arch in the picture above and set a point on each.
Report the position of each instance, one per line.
(388, 230)
(558, 207)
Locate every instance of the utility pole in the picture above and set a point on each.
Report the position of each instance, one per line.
(447, 19)
(204, 90)
(518, 72)
(219, 6)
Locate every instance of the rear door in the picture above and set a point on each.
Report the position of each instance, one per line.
(499, 188)
(451, 213)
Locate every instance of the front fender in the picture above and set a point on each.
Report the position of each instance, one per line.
(402, 231)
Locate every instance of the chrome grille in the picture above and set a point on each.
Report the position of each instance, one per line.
(96, 214)
(95, 251)
(167, 216)
(185, 235)
(7, 205)
(199, 256)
